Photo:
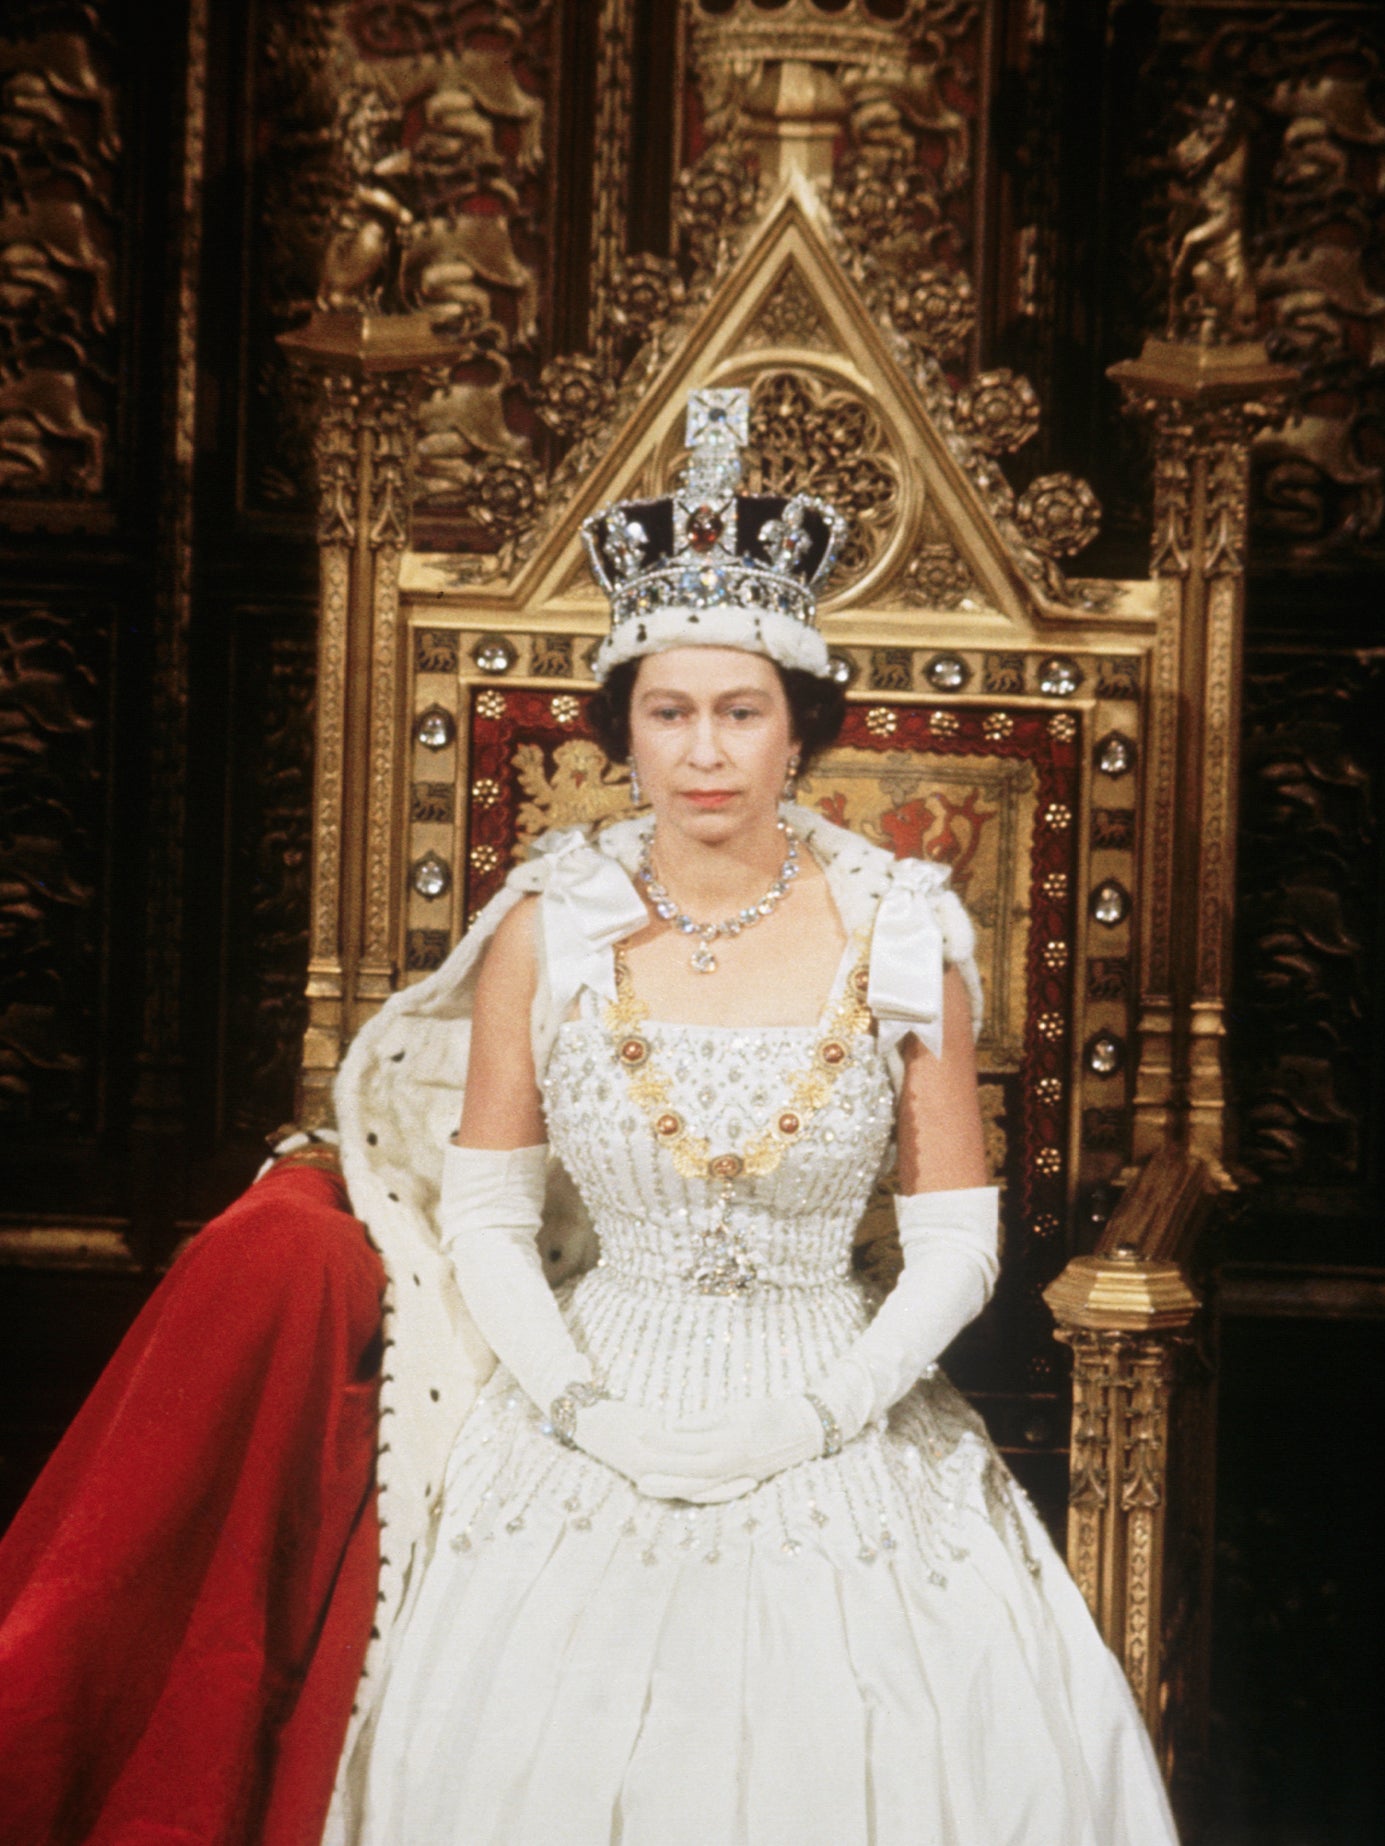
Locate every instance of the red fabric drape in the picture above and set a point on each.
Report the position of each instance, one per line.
(186, 1596)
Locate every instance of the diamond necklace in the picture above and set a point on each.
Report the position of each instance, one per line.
(703, 959)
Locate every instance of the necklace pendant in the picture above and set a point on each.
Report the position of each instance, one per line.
(703, 960)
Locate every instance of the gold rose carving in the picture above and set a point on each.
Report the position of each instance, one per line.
(575, 395)
(999, 411)
(644, 291)
(808, 435)
(937, 310)
(1059, 515)
(937, 578)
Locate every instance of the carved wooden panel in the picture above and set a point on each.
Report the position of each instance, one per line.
(403, 161)
(270, 863)
(1309, 909)
(1254, 156)
(61, 289)
(54, 739)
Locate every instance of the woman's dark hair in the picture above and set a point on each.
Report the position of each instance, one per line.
(817, 710)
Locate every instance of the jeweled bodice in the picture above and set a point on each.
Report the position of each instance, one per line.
(659, 1315)
(797, 1220)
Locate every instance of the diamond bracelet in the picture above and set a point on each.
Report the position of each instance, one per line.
(831, 1432)
(562, 1412)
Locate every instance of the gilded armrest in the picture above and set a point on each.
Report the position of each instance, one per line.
(1127, 1310)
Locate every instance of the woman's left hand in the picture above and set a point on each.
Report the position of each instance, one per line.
(744, 1446)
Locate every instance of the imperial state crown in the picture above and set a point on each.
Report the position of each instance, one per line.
(710, 566)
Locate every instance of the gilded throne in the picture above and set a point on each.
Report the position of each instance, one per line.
(1068, 746)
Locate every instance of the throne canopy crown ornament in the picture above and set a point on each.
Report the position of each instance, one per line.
(710, 566)
(747, 32)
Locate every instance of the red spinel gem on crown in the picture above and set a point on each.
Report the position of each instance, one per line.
(704, 528)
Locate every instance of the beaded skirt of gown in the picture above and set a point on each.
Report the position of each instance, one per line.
(878, 1647)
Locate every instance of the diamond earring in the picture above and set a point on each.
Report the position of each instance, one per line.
(636, 792)
(791, 778)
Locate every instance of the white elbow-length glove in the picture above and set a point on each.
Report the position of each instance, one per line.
(949, 1240)
(488, 1222)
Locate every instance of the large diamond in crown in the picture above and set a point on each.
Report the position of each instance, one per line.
(707, 546)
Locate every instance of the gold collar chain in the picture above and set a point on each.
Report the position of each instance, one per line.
(724, 1265)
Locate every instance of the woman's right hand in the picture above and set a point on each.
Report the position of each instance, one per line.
(637, 1443)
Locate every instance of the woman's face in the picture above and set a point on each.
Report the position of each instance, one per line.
(711, 735)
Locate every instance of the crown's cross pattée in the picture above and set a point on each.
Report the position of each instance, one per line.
(717, 429)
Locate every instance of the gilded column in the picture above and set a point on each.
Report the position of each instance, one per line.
(372, 370)
(389, 433)
(1205, 403)
(1127, 1311)
(339, 469)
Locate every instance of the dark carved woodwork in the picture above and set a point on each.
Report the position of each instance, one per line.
(271, 851)
(61, 298)
(81, 178)
(54, 738)
(1309, 943)
(1250, 168)
(404, 162)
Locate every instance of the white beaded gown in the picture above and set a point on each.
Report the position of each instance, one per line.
(877, 1649)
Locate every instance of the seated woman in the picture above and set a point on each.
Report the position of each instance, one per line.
(712, 1554)
(697, 1548)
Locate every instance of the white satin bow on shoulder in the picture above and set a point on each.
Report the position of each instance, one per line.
(587, 905)
(906, 956)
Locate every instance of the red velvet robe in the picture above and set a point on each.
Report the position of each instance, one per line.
(186, 1596)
